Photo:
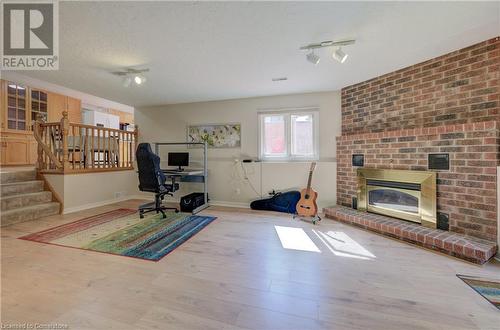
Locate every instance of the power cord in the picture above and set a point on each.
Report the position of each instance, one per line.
(247, 179)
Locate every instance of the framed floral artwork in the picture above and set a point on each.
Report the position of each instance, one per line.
(216, 135)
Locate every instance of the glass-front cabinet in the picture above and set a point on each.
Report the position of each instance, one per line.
(23, 106)
(38, 104)
(20, 106)
(16, 107)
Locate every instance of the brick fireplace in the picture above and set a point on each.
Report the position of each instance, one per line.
(447, 105)
(466, 192)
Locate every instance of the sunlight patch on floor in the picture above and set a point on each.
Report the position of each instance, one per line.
(295, 239)
(340, 244)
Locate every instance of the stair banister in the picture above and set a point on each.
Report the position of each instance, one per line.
(65, 133)
(65, 147)
(42, 147)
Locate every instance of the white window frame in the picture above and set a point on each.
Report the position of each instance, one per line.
(287, 113)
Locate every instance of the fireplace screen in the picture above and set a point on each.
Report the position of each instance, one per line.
(393, 199)
(408, 195)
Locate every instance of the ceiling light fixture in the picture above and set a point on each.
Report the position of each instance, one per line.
(130, 75)
(338, 54)
(139, 79)
(313, 58)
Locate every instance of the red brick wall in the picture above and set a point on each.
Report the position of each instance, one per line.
(456, 88)
(467, 192)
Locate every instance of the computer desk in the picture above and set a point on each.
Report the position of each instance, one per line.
(189, 175)
(186, 172)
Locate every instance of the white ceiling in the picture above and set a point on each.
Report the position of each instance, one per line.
(199, 51)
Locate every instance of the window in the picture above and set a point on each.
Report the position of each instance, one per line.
(289, 135)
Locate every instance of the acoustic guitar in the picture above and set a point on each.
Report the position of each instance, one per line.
(306, 206)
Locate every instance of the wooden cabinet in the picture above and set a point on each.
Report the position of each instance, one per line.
(19, 107)
(58, 103)
(74, 110)
(33, 152)
(17, 149)
(15, 123)
(128, 118)
(38, 104)
(3, 103)
(125, 117)
(15, 107)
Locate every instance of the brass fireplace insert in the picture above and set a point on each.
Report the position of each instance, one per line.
(408, 195)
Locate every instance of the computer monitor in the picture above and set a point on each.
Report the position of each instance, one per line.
(178, 159)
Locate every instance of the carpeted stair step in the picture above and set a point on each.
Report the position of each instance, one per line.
(24, 200)
(28, 213)
(17, 176)
(16, 188)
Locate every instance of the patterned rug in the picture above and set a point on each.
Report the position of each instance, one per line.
(489, 289)
(122, 232)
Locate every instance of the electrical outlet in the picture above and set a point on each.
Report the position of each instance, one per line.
(119, 194)
(237, 191)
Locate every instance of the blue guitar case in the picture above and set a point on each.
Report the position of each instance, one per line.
(281, 202)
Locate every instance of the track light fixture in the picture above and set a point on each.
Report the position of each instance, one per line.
(132, 75)
(338, 54)
(313, 58)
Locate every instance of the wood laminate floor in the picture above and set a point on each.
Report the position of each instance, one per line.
(236, 274)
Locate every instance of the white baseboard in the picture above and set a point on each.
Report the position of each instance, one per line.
(216, 203)
(101, 203)
(146, 197)
(230, 204)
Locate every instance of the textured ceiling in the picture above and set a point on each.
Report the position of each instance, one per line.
(221, 50)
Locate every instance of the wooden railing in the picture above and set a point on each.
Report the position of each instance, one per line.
(65, 147)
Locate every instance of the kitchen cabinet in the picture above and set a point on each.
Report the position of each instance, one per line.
(14, 107)
(58, 103)
(39, 101)
(33, 152)
(19, 107)
(74, 110)
(125, 117)
(3, 102)
(15, 123)
(16, 149)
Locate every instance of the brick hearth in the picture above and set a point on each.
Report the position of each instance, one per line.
(469, 248)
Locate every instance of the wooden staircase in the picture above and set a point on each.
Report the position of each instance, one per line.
(23, 197)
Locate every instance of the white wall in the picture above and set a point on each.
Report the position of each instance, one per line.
(169, 124)
(84, 191)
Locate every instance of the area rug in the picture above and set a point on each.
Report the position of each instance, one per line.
(488, 288)
(122, 232)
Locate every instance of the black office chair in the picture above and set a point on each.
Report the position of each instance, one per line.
(152, 179)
